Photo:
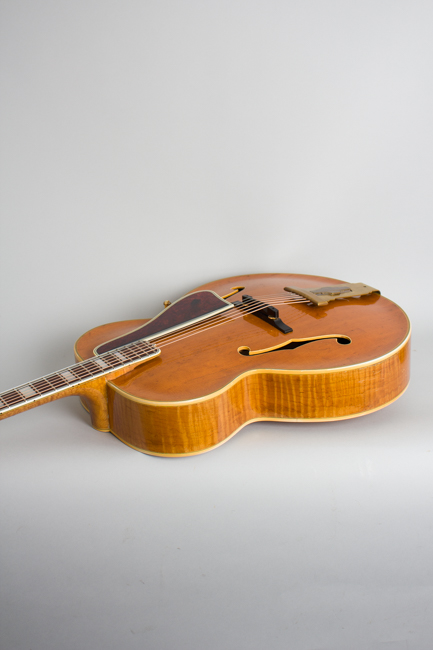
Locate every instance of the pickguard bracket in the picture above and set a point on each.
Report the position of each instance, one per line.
(266, 312)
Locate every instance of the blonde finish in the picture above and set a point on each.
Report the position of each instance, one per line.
(200, 390)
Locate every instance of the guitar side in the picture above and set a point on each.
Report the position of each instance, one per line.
(185, 404)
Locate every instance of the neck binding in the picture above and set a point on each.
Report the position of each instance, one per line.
(56, 383)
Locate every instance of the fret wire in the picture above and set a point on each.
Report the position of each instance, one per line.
(135, 357)
(141, 349)
(77, 373)
(11, 399)
(100, 363)
(126, 349)
(25, 389)
(10, 394)
(34, 388)
(45, 390)
(57, 380)
(75, 370)
(83, 371)
(112, 361)
(126, 358)
(22, 398)
(55, 376)
(50, 383)
(119, 355)
(91, 366)
(79, 368)
(73, 380)
(42, 385)
(12, 403)
(132, 353)
(86, 370)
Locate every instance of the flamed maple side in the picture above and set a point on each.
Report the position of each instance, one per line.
(200, 390)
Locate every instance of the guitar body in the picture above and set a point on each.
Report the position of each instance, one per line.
(342, 360)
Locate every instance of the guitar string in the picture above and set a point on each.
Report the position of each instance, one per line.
(223, 318)
(215, 321)
(164, 344)
(178, 336)
(163, 341)
(219, 319)
(288, 299)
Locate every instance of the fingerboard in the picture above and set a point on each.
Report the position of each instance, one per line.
(77, 374)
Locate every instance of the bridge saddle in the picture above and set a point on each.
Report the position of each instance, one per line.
(266, 312)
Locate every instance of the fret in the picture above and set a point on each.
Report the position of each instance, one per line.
(12, 397)
(120, 356)
(68, 376)
(100, 362)
(27, 391)
(92, 367)
(111, 360)
(78, 373)
(42, 386)
(132, 355)
(57, 380)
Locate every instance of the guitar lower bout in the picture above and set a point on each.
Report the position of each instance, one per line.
(194, 427)
(294, 348)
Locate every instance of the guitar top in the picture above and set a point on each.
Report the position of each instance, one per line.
(246, 348)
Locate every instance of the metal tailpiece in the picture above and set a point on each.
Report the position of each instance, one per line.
(323, 295)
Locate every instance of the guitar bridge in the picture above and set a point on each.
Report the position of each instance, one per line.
(266, 312)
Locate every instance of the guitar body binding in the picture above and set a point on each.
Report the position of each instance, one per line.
(200, 390)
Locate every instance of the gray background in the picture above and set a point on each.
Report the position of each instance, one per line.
(149, 147)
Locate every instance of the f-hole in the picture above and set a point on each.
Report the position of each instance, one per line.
(293, 344)
(234, 290)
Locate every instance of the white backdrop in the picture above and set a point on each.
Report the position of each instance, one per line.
(149, 147)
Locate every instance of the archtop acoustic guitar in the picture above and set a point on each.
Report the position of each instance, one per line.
(253, 347)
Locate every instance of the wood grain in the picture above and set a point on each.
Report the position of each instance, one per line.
(200, 390)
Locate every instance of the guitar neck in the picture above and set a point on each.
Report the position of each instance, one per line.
(74, 379)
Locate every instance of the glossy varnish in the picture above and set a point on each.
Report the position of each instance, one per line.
(201, 390)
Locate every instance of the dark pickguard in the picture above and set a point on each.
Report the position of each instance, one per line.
(183, 310)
